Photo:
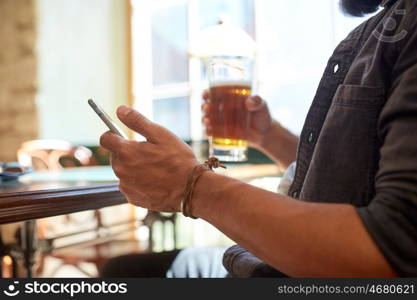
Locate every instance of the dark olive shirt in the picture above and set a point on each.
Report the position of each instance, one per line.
(359, 141)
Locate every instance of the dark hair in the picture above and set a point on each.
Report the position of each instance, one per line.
(359, 8)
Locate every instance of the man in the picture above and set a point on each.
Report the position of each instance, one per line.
(356, 170)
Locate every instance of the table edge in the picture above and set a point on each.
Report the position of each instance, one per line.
(44, 203)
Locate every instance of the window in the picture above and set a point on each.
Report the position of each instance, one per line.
(295, 39)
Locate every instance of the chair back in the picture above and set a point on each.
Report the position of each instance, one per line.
(53, 155)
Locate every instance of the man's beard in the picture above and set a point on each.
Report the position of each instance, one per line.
(359, 8)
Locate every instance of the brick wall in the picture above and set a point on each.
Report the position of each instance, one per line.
(18, 118)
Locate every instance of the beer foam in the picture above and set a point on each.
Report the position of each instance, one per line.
(219, 83)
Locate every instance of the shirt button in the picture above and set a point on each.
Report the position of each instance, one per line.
(295, 194)
(336, 68)
(310, 137)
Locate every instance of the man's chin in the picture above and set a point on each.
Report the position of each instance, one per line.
(359, 8)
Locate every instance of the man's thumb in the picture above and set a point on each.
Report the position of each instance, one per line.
(138, 122)
(254, 103)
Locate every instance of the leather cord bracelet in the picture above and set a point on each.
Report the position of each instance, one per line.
(195, 174)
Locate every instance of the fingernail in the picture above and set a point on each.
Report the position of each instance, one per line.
(256, 100)
(124, 110)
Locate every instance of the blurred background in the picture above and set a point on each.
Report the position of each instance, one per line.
(55, 54)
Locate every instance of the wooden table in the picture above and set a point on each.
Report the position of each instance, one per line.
(47, 194)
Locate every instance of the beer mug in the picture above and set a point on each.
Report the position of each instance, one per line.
(230, 83)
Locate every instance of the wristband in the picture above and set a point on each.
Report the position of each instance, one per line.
(195, 174)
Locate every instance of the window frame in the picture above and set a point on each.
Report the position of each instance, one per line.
(143, 90)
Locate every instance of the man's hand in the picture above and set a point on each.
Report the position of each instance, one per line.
(264, 133)
(261, 120)
(152, 174)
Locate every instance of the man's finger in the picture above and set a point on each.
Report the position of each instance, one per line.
(209, 131)
(111, 141)
(205, 108)
(140, 124)
(206, 95)
(254, 103)
(206, 121)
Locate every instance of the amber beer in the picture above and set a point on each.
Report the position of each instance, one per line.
(229, 118)
(230, 80)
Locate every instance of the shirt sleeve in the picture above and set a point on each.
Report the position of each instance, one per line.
(240, 263)
(391, 217)
(287, 179)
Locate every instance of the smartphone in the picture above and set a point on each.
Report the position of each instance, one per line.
(106, 119)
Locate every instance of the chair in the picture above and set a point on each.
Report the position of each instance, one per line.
(152, 217)
(95, 244)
